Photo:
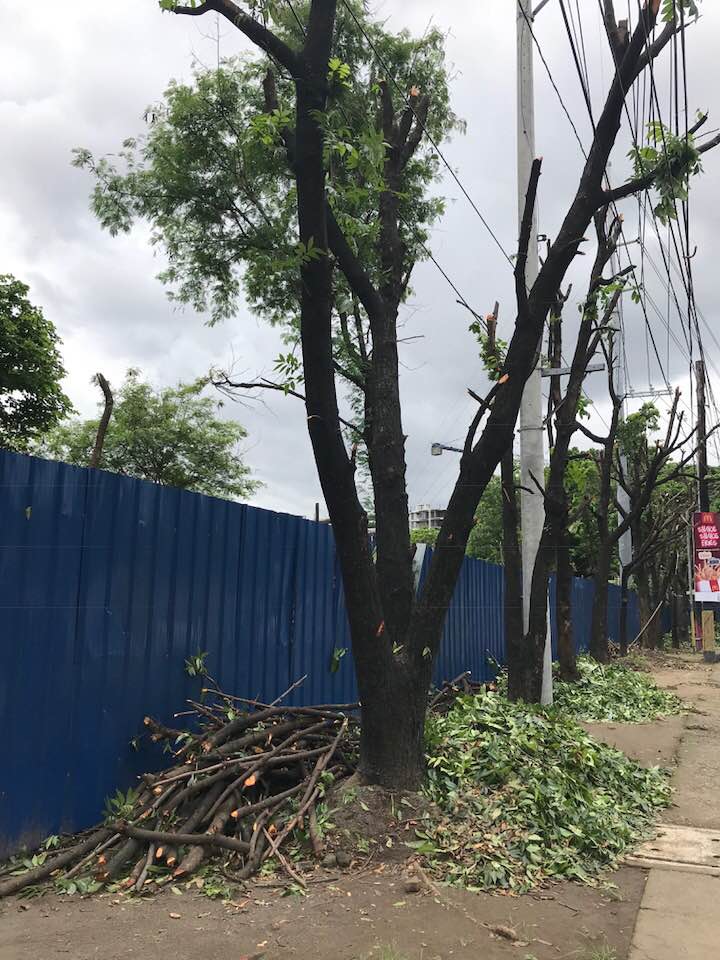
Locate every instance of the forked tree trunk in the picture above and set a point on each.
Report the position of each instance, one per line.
(394, 636)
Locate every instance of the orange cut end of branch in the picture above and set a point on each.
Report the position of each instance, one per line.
(251, 781)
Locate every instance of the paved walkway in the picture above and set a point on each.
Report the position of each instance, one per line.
(679, 916)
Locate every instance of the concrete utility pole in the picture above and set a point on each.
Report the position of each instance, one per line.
(625, 545)
(532, 456)
(708, 616)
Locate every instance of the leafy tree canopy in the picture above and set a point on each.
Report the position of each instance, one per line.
(211, 176)
(170, 436)
(31, 400)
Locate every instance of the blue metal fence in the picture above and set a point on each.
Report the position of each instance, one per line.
(108, 584)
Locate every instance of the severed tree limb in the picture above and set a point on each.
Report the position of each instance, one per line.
(521, 290)
(140, 882)
(14, 884)
(194, 856)
(104, 420)
(190, 839)
(284, 863)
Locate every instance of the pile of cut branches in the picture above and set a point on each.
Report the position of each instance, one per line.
(242, 780)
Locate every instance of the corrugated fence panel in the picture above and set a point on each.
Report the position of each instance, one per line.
(41, 532)
(473, 628)
(108, 585)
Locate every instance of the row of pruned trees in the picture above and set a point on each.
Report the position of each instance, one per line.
(303, 177)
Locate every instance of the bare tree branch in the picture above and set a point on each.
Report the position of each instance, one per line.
(104, 420)
(253, 30)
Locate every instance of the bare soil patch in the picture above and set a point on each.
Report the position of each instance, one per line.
(350, 918)
(352, 915)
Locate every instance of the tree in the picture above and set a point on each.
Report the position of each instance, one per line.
(170, 436)
(486, 540)
(31, 399)
(661, 494)
(564, 409)
(395, 632)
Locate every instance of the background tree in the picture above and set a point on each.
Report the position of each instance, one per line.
(486, 537)
(657, 514)
(31, 399)
(171, 436)
(395, 632)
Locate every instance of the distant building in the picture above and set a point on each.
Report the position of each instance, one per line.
(426, 516)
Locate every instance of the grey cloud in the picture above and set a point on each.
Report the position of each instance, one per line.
(86, 78)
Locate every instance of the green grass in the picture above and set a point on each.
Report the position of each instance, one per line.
(526, 795)
(602, 953)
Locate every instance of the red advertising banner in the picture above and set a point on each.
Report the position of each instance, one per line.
(706, 559)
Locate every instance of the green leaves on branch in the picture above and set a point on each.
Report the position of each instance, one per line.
(671, 160)
(338, 73)
(672, 9)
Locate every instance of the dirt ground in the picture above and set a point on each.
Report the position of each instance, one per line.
(357, 915)
(351, 919)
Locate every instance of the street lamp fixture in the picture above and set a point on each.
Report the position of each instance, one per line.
(436, 449)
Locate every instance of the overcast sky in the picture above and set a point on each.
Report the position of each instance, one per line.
(82, 74)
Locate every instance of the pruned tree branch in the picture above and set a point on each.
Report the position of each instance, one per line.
(253, 30)
(521, 290)
(104, 420)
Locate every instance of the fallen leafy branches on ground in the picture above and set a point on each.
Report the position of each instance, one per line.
(241, 783)
(613, 692)
(518, 795)
(526, 795)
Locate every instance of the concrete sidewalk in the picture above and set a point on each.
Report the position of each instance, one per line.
(679, 917)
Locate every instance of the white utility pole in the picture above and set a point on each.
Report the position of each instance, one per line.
(625, 545)
(532, 456)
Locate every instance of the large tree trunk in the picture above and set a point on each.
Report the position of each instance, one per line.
(512, 569)
(563, 605)
(599, 646)
(624, 613)
(645, 606)
(392, 743)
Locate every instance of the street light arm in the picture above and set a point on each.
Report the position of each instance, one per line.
(539, 7)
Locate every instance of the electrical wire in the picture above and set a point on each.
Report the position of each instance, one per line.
(389, 75)
(446, 276)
